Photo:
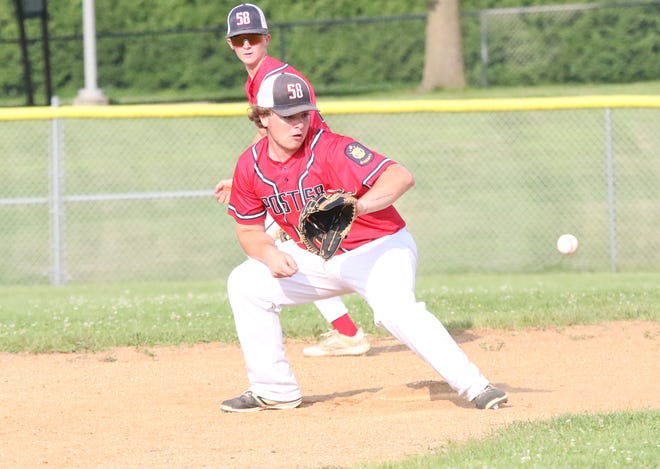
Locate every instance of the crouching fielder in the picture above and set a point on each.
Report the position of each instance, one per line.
(377, 260)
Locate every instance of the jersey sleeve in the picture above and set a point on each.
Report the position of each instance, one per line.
(354, 166)
(244, 205)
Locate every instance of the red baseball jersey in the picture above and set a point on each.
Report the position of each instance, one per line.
(326, 162)
(270, 66)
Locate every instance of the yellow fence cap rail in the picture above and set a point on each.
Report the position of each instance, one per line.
(334, 107)
(486, 105)
(125, 111)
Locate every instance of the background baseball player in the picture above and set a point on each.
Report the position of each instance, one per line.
(377, 260)
(248, 37)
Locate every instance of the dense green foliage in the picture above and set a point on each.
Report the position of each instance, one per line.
(145, 46)
(614, 45)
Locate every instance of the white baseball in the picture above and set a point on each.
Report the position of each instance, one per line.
(567, 244)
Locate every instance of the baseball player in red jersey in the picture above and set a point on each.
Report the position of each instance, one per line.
(377, 260)
(248, 37)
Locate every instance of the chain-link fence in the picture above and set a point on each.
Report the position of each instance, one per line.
(574, 43)
(121, 194)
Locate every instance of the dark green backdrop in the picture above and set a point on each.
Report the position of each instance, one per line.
(164, 49)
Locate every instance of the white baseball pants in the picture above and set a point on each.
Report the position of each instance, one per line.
(330, 308)
(382, 272)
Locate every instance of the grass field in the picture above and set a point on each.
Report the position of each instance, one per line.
(95, 317)
(570, 441)
(551, 290)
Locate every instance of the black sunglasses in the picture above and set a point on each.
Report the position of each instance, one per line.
(238, 41)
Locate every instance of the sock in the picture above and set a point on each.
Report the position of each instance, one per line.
(345, 325)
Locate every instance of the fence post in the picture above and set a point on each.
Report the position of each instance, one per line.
(483, 29)
(282, 35)
(611, 194)
(55, 198)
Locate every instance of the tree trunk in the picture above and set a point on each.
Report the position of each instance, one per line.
(443, 61)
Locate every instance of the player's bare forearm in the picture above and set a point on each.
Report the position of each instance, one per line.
(392, 184)
(254, 240)
(257, 244)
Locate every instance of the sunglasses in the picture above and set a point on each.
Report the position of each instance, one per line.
(253, 39)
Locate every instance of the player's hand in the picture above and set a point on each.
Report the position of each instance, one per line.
(223, 191)
(282, 264)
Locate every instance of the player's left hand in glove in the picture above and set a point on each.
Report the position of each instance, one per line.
(325, 221)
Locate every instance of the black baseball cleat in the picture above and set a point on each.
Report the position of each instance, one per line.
(490, 398)
(250, 402)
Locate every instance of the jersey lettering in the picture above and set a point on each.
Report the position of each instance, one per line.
(277, 204)
(313, 192)
(295, 199)
(281, 204)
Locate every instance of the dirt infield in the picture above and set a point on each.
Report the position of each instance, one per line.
(158, 407)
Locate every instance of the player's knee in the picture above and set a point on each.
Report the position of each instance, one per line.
(238, 281)
(384, 314)
(390, 313)
(251, 283)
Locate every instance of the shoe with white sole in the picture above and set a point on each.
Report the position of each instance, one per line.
(250, 402)
(490, 398)
(336, 345)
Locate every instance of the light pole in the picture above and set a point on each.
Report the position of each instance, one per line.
(90, 94)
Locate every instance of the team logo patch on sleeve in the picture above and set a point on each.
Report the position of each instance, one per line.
(358, 153)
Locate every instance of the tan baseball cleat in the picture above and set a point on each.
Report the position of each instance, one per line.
(336, 345)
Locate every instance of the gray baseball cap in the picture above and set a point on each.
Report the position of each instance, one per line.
(246, 19)
(285, 94)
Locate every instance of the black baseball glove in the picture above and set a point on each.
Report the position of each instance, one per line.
(325, 221)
